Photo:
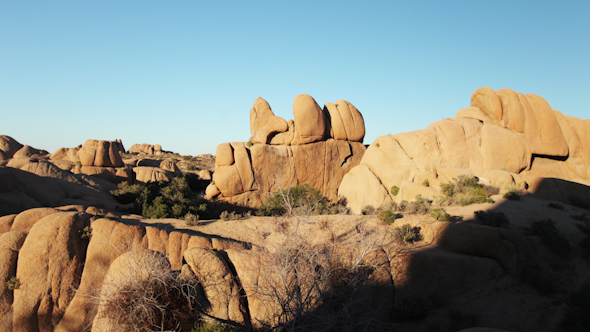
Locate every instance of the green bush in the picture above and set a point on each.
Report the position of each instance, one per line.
(249, 144)
(173, 199)
(464, 191)
(420, 206)
(85, 233)
(426, 183)
(127, 193)
(394, 190)
(545, 229)
(387, 217)
(440, 214)
(300, 198)
(492, 219)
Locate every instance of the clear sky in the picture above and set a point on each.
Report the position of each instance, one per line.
(184, 74)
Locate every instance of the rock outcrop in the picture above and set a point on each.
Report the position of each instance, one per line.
(148, 149)
(504, 138)
(318, 147)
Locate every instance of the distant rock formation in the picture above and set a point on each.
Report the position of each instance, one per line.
(317, 147)
(504, 138)
(146, 149)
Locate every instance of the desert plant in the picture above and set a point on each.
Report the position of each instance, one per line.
(426, 183)
(545, 229)
(127, 193)
(440, 214)
(173, 199)
(464, 191)
(493, 219)
(387, 217)
(191, 219)
(85, 233)
(249, 144)
(556, 206)
(512, 195)
(225, 215)
(302, 198)
(407, 234)
(13, 283)
(420, 206)
(150, 297)
(368, 210)
(394, 190)
(377, 145)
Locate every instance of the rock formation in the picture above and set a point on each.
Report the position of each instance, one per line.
(148, 149)
(317, 147)
(504, 138)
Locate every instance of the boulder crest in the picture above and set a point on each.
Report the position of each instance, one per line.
(318, 147)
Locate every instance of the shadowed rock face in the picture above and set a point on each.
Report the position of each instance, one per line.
(317, 147)
(504, 138)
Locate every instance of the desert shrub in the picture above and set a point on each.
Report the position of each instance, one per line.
(420, 206)
(302, 197)
(556, 206)
(377, 145)
(191, 167)
(412, 309)
(212, 327)
(386, 217)
(127, 193)
(426, 183)
(464, 191)
(173, 199)
(225, 215)
(407, 234)
(13, 283)
(493, 219)
(191, 219)
(339, 208)
(157, 301)
(576, 316)
(249, 144)
(394, 190)
(368, 210)
(545, 229)
(512, 195)
(440, 214)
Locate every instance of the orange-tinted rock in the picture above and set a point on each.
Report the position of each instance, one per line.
(310, 120)
(100, 154)
(8, 147)
(263, 122)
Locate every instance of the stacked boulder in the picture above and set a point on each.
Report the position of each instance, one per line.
(504, 138)
(318, 147)
(103, 159)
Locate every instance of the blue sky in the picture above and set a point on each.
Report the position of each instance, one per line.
(184, 74)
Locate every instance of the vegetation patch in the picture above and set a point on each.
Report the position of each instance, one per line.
(407, 234)
(387, 217)
(464, 191)
(546, 230)
(225, 215)
(13, 283)
(299, 200)
(440, 214)
(394, 190)
(492, 219)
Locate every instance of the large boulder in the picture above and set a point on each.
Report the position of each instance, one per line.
(101, 154)
(148, 149)
(504, 137)
(263, 122)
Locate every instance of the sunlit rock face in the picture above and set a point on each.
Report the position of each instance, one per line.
(318, 147)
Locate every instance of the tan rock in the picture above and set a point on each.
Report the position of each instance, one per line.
(50, 264)
(370, 193)
(66, 154)
(205, 174)
(487, 100)
(28, 151)
(263, 123)
(148, 149)
(310, 120)
(24, 221)
(225, 155)
(100, 154)
(503, 149)
(8, 147)
(10, 244)
(219, 285)
(346, 122)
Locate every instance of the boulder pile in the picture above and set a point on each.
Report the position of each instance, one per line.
(504, 138)
(318, 147)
